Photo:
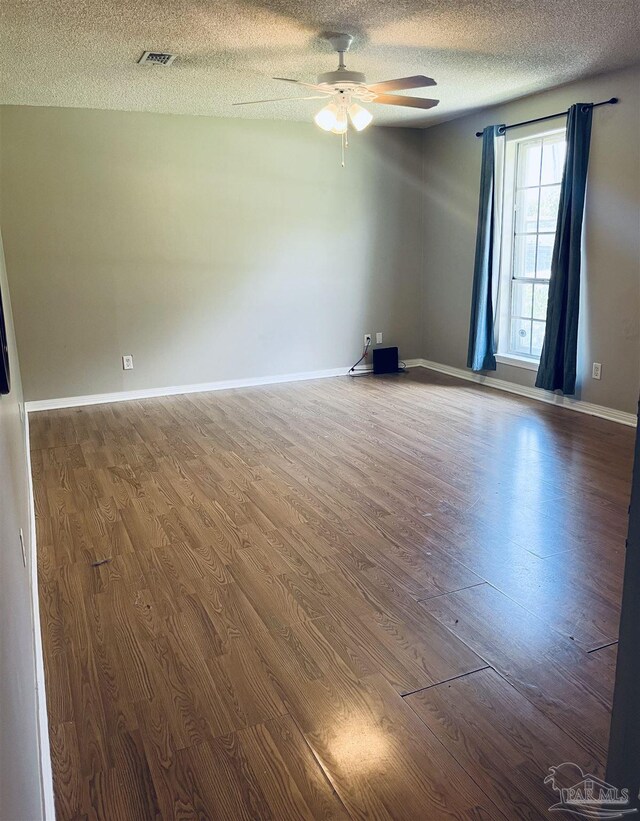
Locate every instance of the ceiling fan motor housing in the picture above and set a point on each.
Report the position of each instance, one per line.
(342, 76)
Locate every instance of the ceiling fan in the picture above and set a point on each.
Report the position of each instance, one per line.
(345, 90)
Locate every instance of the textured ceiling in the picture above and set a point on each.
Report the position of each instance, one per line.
(83, 52)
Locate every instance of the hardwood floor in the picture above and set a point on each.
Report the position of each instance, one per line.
(372, 598)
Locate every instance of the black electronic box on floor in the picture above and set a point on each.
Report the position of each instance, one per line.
(385, 360)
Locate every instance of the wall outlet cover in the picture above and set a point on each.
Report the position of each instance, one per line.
(596, 371)
(378, 337)
(127, 362)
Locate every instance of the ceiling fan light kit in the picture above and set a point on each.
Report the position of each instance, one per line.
(341, 122)
(326, 117)
(359, 116)
(333, 117)
(344, 90)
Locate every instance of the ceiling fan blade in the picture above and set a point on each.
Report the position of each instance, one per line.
(300, 83)
(279, 99)
(417, 81)
(409, 102)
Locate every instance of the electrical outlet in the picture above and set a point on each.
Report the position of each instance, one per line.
(596, 371)
(378, 337)
(24, 555)
(367, 340)
(127, 362)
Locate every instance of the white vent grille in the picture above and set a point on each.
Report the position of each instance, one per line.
(156, 58)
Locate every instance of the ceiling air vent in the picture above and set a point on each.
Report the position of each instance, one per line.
(156, 58)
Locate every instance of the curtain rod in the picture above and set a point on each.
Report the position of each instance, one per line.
(612, 101)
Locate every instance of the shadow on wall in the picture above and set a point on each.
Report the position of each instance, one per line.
(347, 266)
(206, 248)
(396, 245)
(328, 255)
(610, 222)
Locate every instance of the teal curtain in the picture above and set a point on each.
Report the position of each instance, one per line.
(482, 347)
(558, 360)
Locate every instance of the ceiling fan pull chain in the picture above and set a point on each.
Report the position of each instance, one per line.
(342, 142)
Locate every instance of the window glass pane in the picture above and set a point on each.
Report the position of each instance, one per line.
(545, 252)
(529, 155)
(524, 256)
(553, 160)
(536, 167)
(527, 210)
(537, 338)
(522, 299)
(540, 296)
(521, 336)
(549, 199)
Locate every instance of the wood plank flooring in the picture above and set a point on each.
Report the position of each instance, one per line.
(390, 598)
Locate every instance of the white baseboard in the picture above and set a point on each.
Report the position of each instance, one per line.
(460, 373)
(534, 393)
(148, 393)
(42, 720)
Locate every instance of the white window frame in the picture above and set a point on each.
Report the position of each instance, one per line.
(506, 167)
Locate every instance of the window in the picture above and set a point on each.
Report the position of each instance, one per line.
(532, 175)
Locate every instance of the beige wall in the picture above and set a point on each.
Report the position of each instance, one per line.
(610, 313)
(20, 779)
(209, 249)
(219, 249)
